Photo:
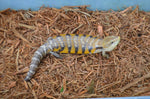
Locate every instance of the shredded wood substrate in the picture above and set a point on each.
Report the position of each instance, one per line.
(125, 73)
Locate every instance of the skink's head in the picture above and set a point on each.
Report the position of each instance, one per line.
(107, 44)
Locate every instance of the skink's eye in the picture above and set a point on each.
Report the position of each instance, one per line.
(112, 42)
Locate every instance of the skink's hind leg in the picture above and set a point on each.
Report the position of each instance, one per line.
(50, 38)
(56, 55)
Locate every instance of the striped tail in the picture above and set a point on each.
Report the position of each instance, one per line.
(38, 55)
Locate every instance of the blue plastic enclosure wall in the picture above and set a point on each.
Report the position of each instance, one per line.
(94, 4)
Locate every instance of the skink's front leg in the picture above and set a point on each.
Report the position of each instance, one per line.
(104, 54)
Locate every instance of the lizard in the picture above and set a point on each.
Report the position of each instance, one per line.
(74, 44)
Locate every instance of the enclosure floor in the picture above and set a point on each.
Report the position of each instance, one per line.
(125, 73)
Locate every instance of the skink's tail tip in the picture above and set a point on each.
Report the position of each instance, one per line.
(27, 79)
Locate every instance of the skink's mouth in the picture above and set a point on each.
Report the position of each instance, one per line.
(118, 38)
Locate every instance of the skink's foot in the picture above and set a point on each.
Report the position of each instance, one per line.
(105, 55)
